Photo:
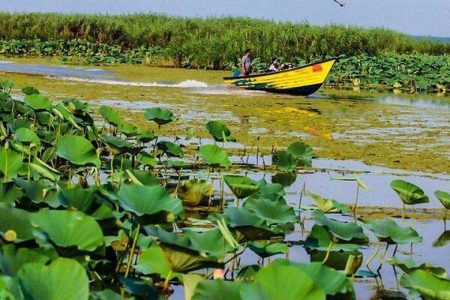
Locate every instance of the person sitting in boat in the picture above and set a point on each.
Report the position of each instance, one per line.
(274, 67)
(246, 63)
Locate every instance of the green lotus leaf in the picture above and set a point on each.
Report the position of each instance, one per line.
(217, 289)
(320, 238)
(39, 191)
(214, 156)
(428, 285)
(38, 102)
(12, 259)
(271, 191)
(110, 115)
(10, 163)
(30, 90)
(9, 288)
(444, 197)
(194, 192)
(27, 136)
(248, 273)
(145, 136)
(349, 232)
(284, 178)
(284, 161)
(77, 150)
(146, 159)
(443, 239)
(328, 205)
(77, 197)
(182, 252)
(283, 281)
(115, 144)
(272, 212)
(66, 114)
(18, 221)
(44, 170)
(139, 287)
(62, 279)
(170, 149)
(158, 115)
(387, 230)
(177, 164)
(106, 294)
(332, 282)
(408, 192)
(68, 229)
(9, 194)
(249, 225)
(127, 129)
(241, 186)
(408, 265)
(302, 153)
(148, 200)
(219, 131)
(144, 177)
(266, 249)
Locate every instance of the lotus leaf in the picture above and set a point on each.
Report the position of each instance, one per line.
(218, 289)
(38, 102)
(219, 131)
(278, 281)
(302, 153)
(30, 90)
(170, 149)
(160, 116)
(127, 129)
(74, 229)
(320, 238)
(77, 197)
(349, 232)
(77, 150)
(284, 161)
(266, 249)
(241, 186)
(272, 212)
(148, 200)
(10, 162)
(110, 115)
(408, 265)
(408, 192)
(328, 205)
(331, 281)
(27, 136)
(146, 136)
(284, 178)
(62, 279)
(195, 191)
(444, 197)
(443, 239)
(214, 156)
(116, 145)
(12, 259)
(428, 285)
(15, 220)
(387, 230)
(146, 159)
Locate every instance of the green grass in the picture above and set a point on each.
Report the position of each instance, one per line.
(209, 43)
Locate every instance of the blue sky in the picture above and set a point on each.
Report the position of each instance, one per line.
(418, 17)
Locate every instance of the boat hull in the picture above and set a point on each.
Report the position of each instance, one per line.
(302, 81)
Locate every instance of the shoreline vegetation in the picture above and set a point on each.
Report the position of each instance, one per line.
(370, 58)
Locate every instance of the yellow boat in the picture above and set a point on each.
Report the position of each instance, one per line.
(303, 81)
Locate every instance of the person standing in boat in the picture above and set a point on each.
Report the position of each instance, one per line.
(246, 63)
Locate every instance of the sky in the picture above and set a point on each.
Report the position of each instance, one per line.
(416, 17)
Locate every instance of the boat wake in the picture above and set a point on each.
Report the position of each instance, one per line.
(189, 83)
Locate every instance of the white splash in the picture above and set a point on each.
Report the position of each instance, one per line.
(184, 84)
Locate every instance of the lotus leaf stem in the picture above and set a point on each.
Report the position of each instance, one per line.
(377, 250)
(130, 258)
(330, 246)
(166, 282)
